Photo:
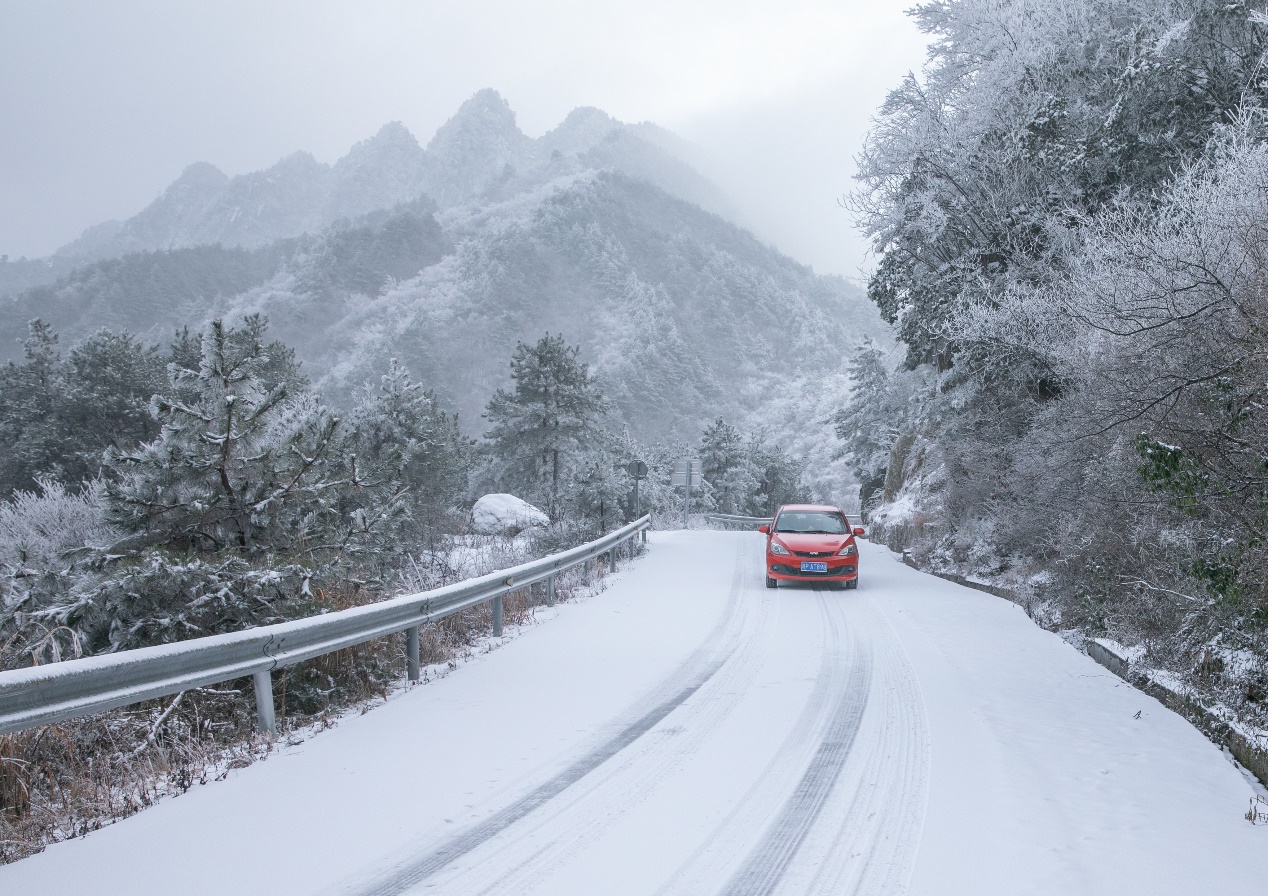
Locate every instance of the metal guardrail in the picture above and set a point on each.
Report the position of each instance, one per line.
(57, 692)
(731, 519)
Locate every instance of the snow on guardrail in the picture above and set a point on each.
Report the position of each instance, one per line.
(57, 692)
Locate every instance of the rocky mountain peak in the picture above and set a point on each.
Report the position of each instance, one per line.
(581, 129)
(391, 140)
(473, 147)
(200, 177)
(380, 172)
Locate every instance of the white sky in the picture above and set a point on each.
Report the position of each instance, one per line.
(103, 104)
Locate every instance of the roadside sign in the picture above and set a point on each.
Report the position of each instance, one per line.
(679, 479)
(686, 471)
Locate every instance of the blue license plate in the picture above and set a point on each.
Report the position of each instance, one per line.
(813, 566)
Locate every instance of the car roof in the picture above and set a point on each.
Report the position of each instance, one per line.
(827, 507)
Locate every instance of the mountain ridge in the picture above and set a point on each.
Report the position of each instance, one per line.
(478, 146)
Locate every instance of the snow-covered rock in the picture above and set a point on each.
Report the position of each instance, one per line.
(505, 515)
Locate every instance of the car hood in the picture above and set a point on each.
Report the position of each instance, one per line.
(795, 542)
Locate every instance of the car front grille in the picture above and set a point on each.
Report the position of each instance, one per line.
(813, 553)
(787, 570)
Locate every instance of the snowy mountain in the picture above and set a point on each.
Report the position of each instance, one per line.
(682, 315)
(593, 231)
(478, 149)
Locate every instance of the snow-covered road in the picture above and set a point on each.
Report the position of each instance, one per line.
(689, 732)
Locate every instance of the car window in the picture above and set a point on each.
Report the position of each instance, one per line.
(811, 522)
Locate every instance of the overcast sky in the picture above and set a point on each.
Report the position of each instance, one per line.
(102, 104)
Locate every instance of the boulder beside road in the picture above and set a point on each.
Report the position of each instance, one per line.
(502, 514)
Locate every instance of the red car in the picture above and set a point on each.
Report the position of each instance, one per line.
(811, 543)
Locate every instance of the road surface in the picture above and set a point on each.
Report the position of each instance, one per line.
(688, 731)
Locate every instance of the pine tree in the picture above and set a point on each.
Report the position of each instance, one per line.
(779, 478)
(57, 415)
(242, 457)
(409, 451)
(598, 489)
(540, 430)
(725, 463)
(30, 394)
(883, 402)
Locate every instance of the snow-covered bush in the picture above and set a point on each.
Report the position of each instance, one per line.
(37, 530)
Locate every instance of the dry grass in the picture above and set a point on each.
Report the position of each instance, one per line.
(63, 781)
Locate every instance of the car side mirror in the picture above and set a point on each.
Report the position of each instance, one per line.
(859, 530)
(764, 528)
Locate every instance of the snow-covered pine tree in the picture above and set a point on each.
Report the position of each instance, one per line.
(408, 452)
(541, 428)
(243, 457)
(57, 415)
(779, 477)
(884, 400)
(598, 489)
(29, 394)
(728, 471)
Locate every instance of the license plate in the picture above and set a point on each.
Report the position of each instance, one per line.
(813, 566)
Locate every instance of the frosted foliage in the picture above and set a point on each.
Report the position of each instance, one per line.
(1026, 117)
(241, 454)
(1069, 205)
(540, 430)
(38, 528)
(598, 496)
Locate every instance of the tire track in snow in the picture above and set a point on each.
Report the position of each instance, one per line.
(716, 859)
(766, 864)
(722, 642)
(552, 838)
(869, 833)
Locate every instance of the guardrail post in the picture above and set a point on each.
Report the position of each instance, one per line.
(497, 616)
(550, 591)
(264, 702)
(411, 652)
(612, 559)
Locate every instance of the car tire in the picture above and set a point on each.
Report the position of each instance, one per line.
(852, 584)
(771, 583)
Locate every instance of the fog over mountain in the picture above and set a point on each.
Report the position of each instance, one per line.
(478, 148)
(445, 256)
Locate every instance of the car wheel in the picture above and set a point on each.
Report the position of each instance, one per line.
(852, 584)
(770, 583)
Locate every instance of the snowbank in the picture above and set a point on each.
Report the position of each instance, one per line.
(505, 515)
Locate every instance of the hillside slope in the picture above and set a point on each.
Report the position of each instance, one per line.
(683, 316)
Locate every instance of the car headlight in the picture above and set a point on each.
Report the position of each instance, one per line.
(777, 548)
(848, 551)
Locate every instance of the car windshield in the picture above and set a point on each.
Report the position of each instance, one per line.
(811, 522)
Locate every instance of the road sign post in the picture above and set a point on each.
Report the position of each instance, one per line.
(638, 470)
(685, 471)
(686, 506)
